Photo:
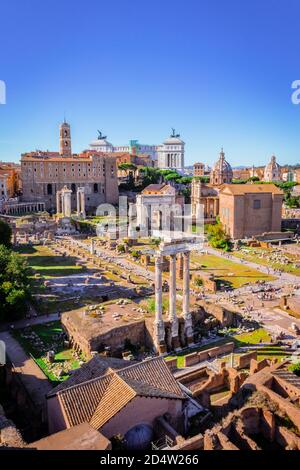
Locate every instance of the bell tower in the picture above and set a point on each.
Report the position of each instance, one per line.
(65, 148)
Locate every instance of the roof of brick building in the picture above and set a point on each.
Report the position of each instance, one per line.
(157, 188)
(98, 400)
(81, 437)
(237, 189)
(96, 367)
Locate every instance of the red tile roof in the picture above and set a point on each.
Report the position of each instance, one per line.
(98, 400)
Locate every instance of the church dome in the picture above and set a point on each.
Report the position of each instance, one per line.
(272, 170)
(221, 171)
(139, 437)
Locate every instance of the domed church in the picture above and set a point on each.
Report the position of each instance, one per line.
(221, 172)
(272, 171)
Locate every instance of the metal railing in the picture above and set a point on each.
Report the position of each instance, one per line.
(163, 443)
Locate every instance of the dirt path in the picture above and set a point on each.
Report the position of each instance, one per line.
(30, 374)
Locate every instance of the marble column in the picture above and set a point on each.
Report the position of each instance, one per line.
(159, 327)
(188, 323)
(66, 198)
(82, 204)
(78, 202)
(58, 202)
(172, 302)
(92, 249)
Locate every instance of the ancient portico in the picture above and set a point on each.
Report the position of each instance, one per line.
(171, 250)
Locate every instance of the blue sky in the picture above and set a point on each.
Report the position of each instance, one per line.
(218, 71)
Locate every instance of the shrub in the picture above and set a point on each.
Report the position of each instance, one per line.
(295, 368)
(121, 248)
(135, 254)
(198, 282)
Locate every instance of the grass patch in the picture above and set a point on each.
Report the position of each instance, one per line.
(180, 356)
(272, 352)
(227, 272)
(38, 340)
(42, 260)
(254, 337)
(255, 256)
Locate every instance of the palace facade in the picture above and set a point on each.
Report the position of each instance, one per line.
(45, 173)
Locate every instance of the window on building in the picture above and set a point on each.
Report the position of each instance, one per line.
(49, 188)
(256, 204)
(95, 188)
(73, 188)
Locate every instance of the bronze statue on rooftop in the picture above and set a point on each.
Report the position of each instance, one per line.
(101, 136)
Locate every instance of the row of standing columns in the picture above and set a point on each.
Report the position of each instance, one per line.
(159, 328)
(64, 202)
(24, 208)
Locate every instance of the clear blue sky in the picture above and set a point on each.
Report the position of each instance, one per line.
(218, 71)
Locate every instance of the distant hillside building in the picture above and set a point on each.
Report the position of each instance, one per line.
(247, 210)
(101, 144)
(10, 182)
(199, 169)
(272, 171)
(45, 173)
(171, 153)
(221, 172)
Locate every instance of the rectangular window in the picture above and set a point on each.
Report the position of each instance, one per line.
(256, 204)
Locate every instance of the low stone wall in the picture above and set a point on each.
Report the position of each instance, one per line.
(291, 303)
(172, 364)
(114, 338)
(224, 316)
(216, 352)
(256, 366)
(244, 360)
(194, 443)
(208, 281)
(287, 439)
(201, 356)
(292, 411)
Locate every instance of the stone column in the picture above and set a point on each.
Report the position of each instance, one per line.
(58, 202)
(92, 249)
(82, 204)
(159, 327)
(172, 303)
(66, 199)
(78, 202)
(188, 323)
(215, 207)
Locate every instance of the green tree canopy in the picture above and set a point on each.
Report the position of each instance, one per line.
(5, 234)
(203, 179)
(127, 166)
(14, 284)
(217, 237)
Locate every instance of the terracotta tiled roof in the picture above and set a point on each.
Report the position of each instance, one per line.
(96, 367)
(80, 401)
(153, 372)
(117, 395)
(236, 189)
(156, 188)
(98, 400)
